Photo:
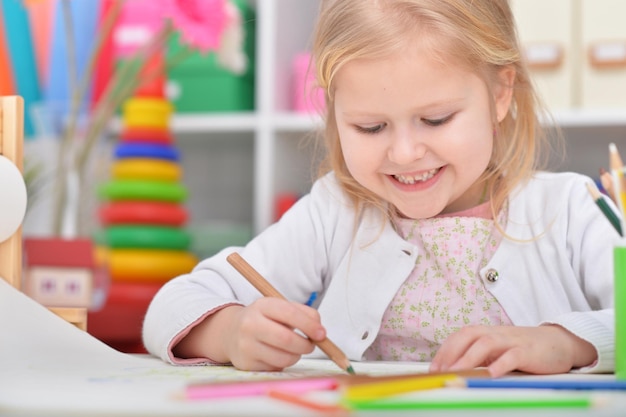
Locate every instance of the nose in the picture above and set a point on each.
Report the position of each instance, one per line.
(405, 147)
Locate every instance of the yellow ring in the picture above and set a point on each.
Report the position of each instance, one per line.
(152, 120)
(148, 265)
(146, 104)
(147, 112)
(146, 169)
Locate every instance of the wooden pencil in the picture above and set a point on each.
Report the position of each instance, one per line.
(335, 409)
(607, 183)
(605, 208)
(362, 379)
(615, 160)
(619, 180)
(264, 287)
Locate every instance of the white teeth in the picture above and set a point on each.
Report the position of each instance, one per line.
(416, 178)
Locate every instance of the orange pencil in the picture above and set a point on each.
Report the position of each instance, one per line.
(334, 409)
(265, 288)
(607, 183)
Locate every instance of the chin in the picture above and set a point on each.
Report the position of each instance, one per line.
(419, 214)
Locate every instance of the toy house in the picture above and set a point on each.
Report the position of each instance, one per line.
(61, 274)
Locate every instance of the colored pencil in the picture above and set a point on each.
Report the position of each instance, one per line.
(615, 160)
(265, 288)
(378, 390)
(517, 402)
(617, 173)
(311, 299)
(601, 385)
(607, 183)
(349, 380)
(605, 208)
(203, 391)
(335, 409)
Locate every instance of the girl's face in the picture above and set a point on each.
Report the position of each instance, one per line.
(416, 132)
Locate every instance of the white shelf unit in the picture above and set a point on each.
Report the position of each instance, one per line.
(236, 164)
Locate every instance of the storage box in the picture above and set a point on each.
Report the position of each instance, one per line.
(200, 84)
(546, 32)
(603, 35)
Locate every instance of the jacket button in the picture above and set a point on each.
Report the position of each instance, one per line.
(492, 275)
(365, 335)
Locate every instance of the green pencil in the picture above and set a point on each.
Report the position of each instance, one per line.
(470, 403)
(605, 208)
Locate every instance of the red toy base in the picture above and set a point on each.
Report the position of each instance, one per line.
(119, 322)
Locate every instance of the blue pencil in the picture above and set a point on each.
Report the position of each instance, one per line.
(312, 299)
(601, 385)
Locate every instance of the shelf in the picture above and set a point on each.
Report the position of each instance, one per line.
(297, 122)
(304, 122)
(570, 118)
(207, 122)
(590, 117)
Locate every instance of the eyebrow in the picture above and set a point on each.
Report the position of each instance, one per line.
(430, 107)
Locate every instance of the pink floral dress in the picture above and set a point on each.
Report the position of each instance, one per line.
(444, 292)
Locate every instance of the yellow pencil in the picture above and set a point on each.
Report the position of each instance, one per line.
(377, 390)
(619, 181)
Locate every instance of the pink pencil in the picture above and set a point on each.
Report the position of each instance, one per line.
(250, 388)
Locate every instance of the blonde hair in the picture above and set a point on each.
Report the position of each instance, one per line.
(480, 35)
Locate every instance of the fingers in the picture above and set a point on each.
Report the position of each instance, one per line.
(509, 361)
(494, 347)
(264, 337)
(265, 358)
(502, 349)
(454, 348)
(293, 316)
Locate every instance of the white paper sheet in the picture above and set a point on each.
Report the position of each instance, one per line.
(52, 367)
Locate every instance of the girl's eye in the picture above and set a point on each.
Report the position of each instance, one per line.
(370, 129)
(437, 122)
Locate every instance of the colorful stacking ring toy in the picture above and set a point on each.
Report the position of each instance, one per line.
(146, 169)
(146, 150)
(148, 265)
(144, 134)
(142, 212)
(147, 112)
(146, 237)
(143, 190)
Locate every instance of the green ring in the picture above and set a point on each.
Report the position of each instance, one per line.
(146, 237)
(143, 190)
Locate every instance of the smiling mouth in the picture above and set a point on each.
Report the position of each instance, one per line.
(412, 179)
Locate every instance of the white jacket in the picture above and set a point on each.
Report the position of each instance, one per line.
(557, 270)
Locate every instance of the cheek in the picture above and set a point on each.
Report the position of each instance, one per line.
(351, 151)
(475, 139)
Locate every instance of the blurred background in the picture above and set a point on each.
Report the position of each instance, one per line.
(239, 137)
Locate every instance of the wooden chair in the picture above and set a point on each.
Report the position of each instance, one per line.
(11, 149)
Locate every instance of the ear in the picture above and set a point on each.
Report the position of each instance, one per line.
(503, 93)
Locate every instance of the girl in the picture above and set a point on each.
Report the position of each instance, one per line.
(432, 236)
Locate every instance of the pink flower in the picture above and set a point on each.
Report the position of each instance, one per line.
(201, 23)
(230, 54)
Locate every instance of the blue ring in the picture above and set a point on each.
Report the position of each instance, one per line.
(146, 150)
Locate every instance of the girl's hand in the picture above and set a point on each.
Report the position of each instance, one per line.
(548, 349)
(259, 337)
